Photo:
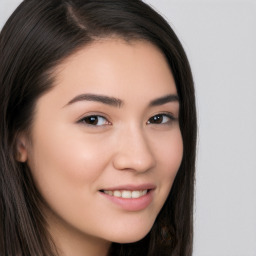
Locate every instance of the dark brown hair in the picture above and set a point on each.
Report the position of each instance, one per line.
(35, 39)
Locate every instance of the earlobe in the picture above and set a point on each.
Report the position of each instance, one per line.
(21, 150)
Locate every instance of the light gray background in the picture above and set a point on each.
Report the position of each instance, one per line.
(220, 40)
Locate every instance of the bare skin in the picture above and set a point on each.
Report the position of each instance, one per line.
(108, 126)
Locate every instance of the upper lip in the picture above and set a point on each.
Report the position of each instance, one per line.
(131, 187)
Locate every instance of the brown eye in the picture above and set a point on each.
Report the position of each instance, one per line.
(160, 119)
(156, 119)
(94, 120)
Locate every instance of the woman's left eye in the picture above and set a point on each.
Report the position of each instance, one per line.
(94, 120)
(161, 119)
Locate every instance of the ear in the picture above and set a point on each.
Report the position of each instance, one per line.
(21, 149)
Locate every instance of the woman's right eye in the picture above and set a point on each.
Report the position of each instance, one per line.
(94, 120)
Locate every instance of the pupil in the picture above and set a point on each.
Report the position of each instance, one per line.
(157, 119)
(92, 120)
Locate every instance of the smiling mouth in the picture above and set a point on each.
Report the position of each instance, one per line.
(126, 193)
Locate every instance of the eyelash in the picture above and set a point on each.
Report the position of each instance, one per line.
(92, 119)
(158, 119)
(161, 117)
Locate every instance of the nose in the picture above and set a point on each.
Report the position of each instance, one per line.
(133, 151)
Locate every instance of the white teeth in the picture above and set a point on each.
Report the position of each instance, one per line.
(137, 194)
(126, 193)
(117, 193)
(144, 192)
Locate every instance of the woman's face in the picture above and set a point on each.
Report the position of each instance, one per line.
(106, 142)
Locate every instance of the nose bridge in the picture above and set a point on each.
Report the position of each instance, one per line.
(134, 150)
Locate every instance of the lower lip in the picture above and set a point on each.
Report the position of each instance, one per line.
(131, 204)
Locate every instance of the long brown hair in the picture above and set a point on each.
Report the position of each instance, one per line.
(35, 39)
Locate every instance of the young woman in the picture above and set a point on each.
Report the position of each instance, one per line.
(98, 131)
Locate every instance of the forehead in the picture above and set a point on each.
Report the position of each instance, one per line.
(116, 67)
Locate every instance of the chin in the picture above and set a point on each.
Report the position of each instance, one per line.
(130, 236)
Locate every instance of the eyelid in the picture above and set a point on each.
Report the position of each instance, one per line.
(82, 120)
(92, 113)
(170, 115)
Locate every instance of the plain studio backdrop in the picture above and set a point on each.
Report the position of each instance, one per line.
(220, 40)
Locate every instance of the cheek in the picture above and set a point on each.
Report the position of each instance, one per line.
(64, 164)
(169, 158)
(66, 170)
(169, 152)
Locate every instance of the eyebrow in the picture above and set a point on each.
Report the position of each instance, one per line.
(98, 98)
(115, 102)
(165, 99)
